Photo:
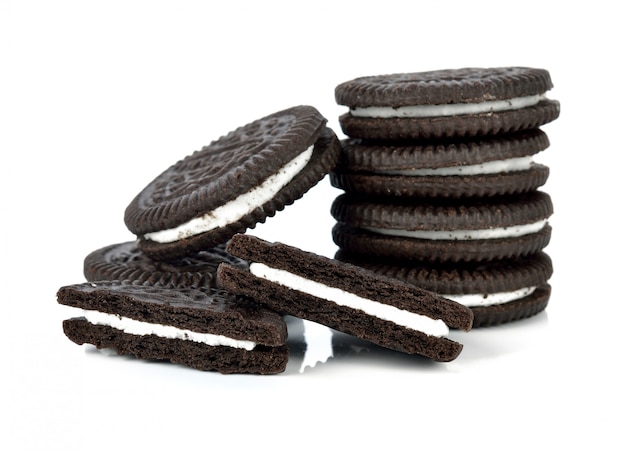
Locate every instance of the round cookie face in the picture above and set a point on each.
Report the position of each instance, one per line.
(446, 103)
(126, 262)
(473, 229)
(497, 292)
(233, 183)
(479, 167)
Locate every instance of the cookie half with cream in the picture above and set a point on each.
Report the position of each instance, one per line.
(233, 183)
(485, 166)
(345, 297)
(496, 291)
(446, 103)
(443, 230)
(206, 329)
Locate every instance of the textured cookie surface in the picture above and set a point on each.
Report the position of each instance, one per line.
(126, 262)
(528, 276)
(447, 86)
(444, 229)
(348, 279)
(189, 311)
(477, 86)
(453, 168)
(228, 168)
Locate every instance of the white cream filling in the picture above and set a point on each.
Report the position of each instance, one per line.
(139, 328)
(238, 207)
(414, 321)
(466, 234)
(494, 167)
(472, 300)
(426, 111)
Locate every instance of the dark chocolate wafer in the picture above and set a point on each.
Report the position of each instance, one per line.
(446, 103)
(206, 329)
(486, 166)
(345, 297)
(497, 291)
(454, 230)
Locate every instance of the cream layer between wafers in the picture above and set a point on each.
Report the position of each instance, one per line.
(475, 300)
(427, 111)
(139, 328)
(411, 320)
(493, 167)
(239, 207)
(466, 234)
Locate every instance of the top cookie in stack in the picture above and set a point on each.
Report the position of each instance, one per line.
(440, 182)
(446, 103)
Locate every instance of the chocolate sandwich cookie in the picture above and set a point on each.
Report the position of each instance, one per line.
(233, 183)
(455, 230)
(206, 329)
(485, 166)
(446, 103)
(345, 297)
(126, 262)
(496, 291)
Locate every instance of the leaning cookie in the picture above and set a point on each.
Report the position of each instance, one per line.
(446, 103)
(486, 166)
(126, 262)
(204, 329)
(444, 230)
(233, 183)
(345, 297)
(497, 291)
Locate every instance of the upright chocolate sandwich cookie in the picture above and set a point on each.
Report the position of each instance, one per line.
(472, 229)
(485, 166)
(496, 291)
(126, 262)
(446, 103)
(233, 183)
(204, 329)
(345, 297)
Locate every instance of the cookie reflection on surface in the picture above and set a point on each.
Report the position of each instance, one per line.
(351, 349)
(319, 345)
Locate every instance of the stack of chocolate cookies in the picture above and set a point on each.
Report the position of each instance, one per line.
(440, 187)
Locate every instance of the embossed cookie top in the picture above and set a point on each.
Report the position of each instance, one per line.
(229, 166)
(466, 85)
(126, 262)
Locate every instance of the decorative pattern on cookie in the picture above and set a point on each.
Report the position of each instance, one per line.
(126, 262)
(205, 329)
(233, 183)
(446, 103)
(345, 297)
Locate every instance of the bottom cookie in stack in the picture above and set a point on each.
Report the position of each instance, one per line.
(497, 292)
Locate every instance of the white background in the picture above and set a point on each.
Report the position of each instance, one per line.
(97, 98)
